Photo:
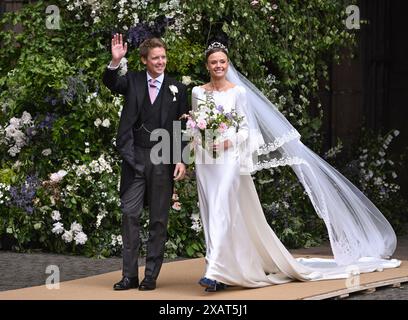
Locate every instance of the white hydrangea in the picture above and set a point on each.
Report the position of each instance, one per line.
(67, 236)
(97, 122)
(102, 214)
(56, 215)
(58, 176)
(113, 240)
(106, 123)
(76, 227)
(58, 228)
(46, 152)
(80, 238)
(196, 222)
(186, 80)
(26, 118)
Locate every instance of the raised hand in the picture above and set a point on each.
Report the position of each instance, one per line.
(119, 49)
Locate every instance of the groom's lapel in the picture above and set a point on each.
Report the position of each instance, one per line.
(166, 99)
(141, 84)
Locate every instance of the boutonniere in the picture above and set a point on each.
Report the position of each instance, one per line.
(173, 90)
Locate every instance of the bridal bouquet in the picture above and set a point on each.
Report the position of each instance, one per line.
(211, 122)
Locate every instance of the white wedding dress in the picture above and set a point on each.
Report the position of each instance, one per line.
(241, 248)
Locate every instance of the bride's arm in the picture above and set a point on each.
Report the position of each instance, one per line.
(241, 106)
(194, 100)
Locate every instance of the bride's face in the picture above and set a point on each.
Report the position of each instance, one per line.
(217, 64)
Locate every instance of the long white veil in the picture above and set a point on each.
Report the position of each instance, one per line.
(356, 228)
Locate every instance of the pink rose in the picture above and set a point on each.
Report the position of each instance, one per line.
(222, 127)
(191, 124)
(176, 206)
(202, 124)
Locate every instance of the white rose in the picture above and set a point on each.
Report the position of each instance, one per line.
(58, 228)
(67, 236)
(80, 238)
(186, 80)
(75, 226)
(106, 123)
(37, 226)
(97, 122)
(57, 177)
(56, 216)
(46, 152)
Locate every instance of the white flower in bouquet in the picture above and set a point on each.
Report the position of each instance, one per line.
(58, 228)
(80, 238)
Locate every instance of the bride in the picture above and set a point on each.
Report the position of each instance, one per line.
(241, 248)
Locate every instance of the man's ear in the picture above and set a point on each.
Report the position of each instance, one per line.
(144, 61)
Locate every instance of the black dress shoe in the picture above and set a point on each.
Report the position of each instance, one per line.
(147, 284)
(126, 283)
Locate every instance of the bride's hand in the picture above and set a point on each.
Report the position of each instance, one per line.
(224, 145)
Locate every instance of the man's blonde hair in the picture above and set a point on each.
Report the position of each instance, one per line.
(149, 44)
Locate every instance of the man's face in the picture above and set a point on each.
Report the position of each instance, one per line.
(156, 61)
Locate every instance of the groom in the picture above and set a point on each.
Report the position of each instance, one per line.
(153, 100)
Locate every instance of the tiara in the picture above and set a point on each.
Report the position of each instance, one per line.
(215, 45)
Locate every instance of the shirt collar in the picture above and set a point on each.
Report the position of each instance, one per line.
(159, 78)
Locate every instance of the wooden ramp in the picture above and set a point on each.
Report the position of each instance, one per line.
(178, 281)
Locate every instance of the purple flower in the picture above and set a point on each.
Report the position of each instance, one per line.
(76, 87)
(22, 197)
(138, 34)
(48, 121)
(142, 31)
(220, 108)
(51, 100)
